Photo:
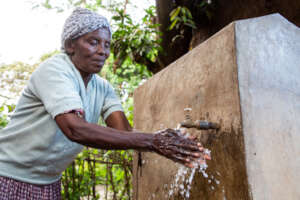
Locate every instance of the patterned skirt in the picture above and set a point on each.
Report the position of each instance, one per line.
(11, 189)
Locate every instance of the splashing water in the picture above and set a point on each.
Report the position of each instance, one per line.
(184, 178)
(182, 183)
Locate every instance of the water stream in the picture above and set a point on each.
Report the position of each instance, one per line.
(182, 183)
(184, 177)
(183, 180)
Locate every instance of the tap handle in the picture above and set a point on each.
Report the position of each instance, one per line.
(187, 113)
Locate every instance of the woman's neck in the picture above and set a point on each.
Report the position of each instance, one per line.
(85, 77)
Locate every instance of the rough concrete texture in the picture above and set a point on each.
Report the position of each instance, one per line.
(210, 79)
(268, 58)
(205, 80)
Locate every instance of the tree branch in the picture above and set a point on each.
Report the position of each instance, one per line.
(125, 6)
(5, 96)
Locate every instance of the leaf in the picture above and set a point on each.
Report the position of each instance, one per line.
(116, 18)
(177, 37)
(203, 3)
(189, 14)
(191, 25)
(174, 13)
(173, 24)
(184, 18)
(183, 11)
(11, 108)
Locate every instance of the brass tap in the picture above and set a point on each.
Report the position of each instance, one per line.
(198, 124)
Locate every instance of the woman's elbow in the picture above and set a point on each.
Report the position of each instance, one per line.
(72, 127)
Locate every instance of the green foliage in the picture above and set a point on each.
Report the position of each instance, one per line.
(61, 6)
(183, 17)
(15, 76)
(93, 168)
(180, 18)
(125, 80)
(134, 46)
(138, 42)
(113, 168)
(4, 111)
(3, 117)
(205, 8)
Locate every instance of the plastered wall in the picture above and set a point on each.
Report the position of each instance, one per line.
(246, 78)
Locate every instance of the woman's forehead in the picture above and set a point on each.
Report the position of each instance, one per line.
(101, 33)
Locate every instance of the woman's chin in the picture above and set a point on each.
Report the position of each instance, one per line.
(97, 68)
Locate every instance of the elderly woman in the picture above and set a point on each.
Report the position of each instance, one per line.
(58, 112)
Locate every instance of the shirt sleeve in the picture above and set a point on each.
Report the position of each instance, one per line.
(55, 86)
(111, 102)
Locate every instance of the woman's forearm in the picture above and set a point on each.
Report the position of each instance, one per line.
(169, 143)
(97, 136)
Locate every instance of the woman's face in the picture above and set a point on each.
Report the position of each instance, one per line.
(89, 52)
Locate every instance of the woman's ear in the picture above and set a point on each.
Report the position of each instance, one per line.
(69, 47)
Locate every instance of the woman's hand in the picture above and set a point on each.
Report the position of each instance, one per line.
(174, 145)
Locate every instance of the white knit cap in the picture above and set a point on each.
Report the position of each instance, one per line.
(80, 22)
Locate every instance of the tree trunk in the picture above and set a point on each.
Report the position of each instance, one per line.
(231, 10)
(172, 51)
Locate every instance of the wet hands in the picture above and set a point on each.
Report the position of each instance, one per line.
(175, 145)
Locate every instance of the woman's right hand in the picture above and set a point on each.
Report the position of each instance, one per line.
(174, 145)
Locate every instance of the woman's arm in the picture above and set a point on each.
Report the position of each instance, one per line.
(167, 143)
(93, 135)
(118, 121)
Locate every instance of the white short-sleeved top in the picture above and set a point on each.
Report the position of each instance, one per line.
(32, 147)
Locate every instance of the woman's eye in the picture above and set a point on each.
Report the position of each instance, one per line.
(94, 42)
(107, 45)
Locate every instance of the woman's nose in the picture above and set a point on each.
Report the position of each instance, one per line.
(101, 49)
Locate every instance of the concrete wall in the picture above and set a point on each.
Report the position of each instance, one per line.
(210, 79)
(268, 59)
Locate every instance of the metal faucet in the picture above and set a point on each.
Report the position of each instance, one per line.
(198, 124)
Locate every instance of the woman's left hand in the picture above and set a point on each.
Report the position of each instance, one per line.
(175, 145)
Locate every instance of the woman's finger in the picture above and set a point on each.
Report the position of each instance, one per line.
(190, 165)
(191, 147)
(184, 152)
(179, 159)
(207, 157)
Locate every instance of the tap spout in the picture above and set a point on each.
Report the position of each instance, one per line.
(200, 125)
(205, 125)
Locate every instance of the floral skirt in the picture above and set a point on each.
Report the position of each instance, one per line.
(11, 189)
